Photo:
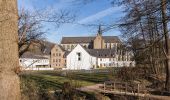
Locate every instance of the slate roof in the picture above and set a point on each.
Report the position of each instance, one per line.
(61, 47)
(66, 53)
(32, 56)
(101, 53)
(70, 40)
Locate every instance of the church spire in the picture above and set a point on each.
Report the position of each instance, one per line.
(99, 30)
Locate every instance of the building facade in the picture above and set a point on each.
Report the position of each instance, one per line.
(82, 58)
(58, 59)
(97, 42)
(30, 61)
(92, 42)
(79, 59)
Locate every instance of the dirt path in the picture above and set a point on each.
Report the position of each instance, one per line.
(92, 88)
(95, 88)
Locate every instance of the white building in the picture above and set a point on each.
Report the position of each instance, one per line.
(30, 61)
(81, 58)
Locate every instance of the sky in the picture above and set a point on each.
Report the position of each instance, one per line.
(92, 13)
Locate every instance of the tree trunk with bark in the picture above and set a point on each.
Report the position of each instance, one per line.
(9, 80)
(167, 44)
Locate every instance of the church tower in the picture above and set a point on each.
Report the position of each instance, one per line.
(99, 41)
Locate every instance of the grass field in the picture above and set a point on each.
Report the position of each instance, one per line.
(53, 80)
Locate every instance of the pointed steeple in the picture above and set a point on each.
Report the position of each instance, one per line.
(99, 30)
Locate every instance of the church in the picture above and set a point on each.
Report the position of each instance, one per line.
(89, 53)
(96, 42)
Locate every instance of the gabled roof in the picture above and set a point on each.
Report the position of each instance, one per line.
(99, 53)
(32, 56)
(61, 47)
(72, 40)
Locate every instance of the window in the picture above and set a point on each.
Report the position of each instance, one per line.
(56, 60)
(68, 46)
(105, 45)
(59, 54)
(53, 54)
(56, 49)
(100, 59)
(100, 65)
(72, 46)
(59, 60)
(79, 56)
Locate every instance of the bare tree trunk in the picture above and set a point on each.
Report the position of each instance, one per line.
(167, 45)
(9, 80)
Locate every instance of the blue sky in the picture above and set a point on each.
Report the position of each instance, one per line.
(96, 12)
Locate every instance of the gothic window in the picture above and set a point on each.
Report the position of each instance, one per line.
(72, 46)
(68, 46)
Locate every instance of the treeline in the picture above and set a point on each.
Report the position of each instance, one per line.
(146, 29)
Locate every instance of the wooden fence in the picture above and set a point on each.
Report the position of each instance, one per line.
(123, 88)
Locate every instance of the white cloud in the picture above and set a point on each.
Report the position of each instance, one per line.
(100, 15)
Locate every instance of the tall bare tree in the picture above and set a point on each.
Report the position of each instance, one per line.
(9, 80)
(31, 25)
(167, 44)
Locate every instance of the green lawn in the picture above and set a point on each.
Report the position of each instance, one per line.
(53, 80)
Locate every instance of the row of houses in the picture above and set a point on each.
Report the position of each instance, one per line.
(78, 53)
